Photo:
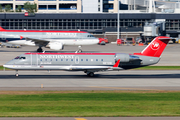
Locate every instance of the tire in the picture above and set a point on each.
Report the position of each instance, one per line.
(102, 43)
(39, 50)
(91, 74)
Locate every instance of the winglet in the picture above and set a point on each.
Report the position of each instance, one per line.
(1, 29)
(117, 63)
(21, 37)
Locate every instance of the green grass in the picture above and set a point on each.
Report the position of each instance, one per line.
(2, 68)
(93, 103)
(159, 68)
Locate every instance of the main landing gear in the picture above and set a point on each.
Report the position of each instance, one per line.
(90, 74)
(39, 49)
(79, 49)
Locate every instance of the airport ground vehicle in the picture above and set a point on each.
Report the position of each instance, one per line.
(103, 41)
(90, 62)
(8, 45)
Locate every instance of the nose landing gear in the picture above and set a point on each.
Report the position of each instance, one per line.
(79, 50)
(16, 73)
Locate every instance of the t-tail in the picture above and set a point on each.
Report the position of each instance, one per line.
(156, 47)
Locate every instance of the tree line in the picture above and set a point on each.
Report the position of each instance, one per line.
(29, 7)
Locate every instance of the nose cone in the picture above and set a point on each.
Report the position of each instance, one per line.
(96, 41)
(9, 65)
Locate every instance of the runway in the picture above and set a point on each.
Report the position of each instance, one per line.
(110, 80)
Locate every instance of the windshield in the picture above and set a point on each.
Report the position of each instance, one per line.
(18, 57)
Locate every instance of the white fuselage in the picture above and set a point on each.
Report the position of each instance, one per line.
(38, 38)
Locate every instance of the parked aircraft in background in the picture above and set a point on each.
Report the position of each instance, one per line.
(90, 62)
(55, 40)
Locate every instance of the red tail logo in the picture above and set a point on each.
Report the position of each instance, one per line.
(156, 47)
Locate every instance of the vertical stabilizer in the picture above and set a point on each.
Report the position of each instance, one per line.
(156, 47)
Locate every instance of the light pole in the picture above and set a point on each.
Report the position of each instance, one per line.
(118, 21)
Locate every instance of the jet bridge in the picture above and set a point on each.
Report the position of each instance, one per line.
(153, 29)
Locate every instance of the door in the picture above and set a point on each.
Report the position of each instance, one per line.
(34, 60)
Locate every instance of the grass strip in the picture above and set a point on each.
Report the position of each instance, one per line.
(90, 104)
(159, 68)
(2, 68)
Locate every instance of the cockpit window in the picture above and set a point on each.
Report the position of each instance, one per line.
(16, 57)
(20, 57)
(90, 36)
(23, 58)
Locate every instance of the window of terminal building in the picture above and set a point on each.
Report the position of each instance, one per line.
(67, 6)
(74, 24)
(42, 7)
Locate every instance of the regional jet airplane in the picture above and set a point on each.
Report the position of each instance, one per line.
(90, 62)
(55, 40)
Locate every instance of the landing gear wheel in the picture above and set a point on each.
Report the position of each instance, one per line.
(91, 74)
(39, 49)
(16, 74)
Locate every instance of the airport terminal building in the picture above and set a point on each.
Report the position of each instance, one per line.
(96, 17)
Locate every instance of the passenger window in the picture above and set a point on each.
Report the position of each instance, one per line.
(101, 59)
(71, 59)
(81, 59)
(76, 59)
(41, 59)
(86, 59)
(46, 59)
(61, 59)
(96, 59)
(56, 59)
(66, 59)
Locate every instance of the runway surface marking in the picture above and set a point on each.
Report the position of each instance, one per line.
(80, 119)
(125, 88)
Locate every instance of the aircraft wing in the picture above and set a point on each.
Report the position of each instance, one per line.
(96, 68)
(93, 68)
(41, 42)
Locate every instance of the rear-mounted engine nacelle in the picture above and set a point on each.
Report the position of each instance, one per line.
(126, 57)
